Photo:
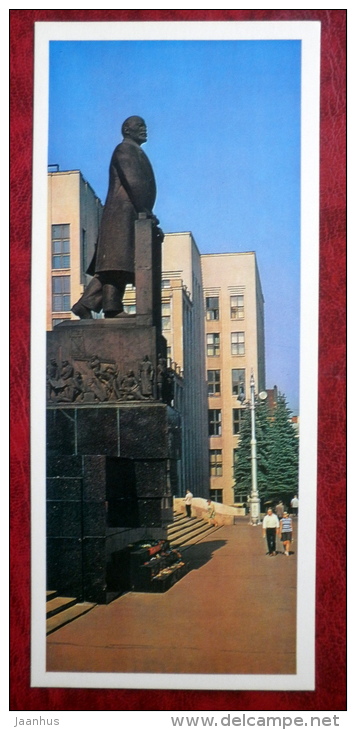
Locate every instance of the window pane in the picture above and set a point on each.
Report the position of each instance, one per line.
(56, 284)
(60, 247)
(238, 381)
(56, 248)
(236, 420)
(56, 231)
(212, 307)
(60, 231)
(237, 307)
(213, 344)
(214, 422)
(61, 293)
(237, 343)
(215, 459)
(57, 304)
(216, 495)
(213, 382)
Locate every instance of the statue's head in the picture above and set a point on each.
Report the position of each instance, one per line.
(135, 128)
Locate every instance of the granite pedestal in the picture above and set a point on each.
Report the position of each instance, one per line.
(113, 439)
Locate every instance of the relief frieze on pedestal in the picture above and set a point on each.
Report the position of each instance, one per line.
(93, 380)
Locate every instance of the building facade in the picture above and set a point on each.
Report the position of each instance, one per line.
(183, 327)
(234, 348)
(74, 214)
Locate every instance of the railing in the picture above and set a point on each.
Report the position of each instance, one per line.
(224, 514)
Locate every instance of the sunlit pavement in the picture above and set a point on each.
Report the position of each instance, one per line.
(234, 612)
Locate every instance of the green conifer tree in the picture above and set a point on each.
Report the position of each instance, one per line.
(242, 467)
(282, 453)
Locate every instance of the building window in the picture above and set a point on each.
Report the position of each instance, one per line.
(84, 254)
(215, 460)
(241, 498)
(165, 283)
(237, 310)
(236, 420)
(60, 293)
(213, 344)
(238, 382)
(216, 495)
(166, 315)
(237, 343)
(212, 307)
(60, 246)
(214, 422)
(213, 382)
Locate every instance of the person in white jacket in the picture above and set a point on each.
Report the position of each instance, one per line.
(188, 502)
(270, 528)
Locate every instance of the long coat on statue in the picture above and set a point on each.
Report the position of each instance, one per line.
(132, 190)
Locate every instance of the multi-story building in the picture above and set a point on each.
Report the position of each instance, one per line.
(74, 214)
(183, 327)
(234, 348)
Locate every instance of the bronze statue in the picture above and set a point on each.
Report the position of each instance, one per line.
(132, 190)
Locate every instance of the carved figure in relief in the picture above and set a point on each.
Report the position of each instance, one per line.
(146, 377)
(129, 388)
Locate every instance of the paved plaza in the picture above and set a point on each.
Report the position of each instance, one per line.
(234, 612)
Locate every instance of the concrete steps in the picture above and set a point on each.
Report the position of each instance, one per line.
(186, 531)
(62, 610)
(181, 534)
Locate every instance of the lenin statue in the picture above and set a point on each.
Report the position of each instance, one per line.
(132, 190)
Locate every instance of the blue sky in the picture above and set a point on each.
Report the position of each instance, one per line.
(223, 123)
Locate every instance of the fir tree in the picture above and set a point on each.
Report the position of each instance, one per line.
(283, 452)
(242, 467)
(277, 452)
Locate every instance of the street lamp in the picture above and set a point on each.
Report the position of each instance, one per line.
(255, 506)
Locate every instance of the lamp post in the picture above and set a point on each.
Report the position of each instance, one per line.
(254, 502)
(255, 508)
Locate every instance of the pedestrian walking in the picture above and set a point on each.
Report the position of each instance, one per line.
(270, 527)
(294, 505)
(211, 513)
(279, 509)
(188, 502)
(286, 532)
